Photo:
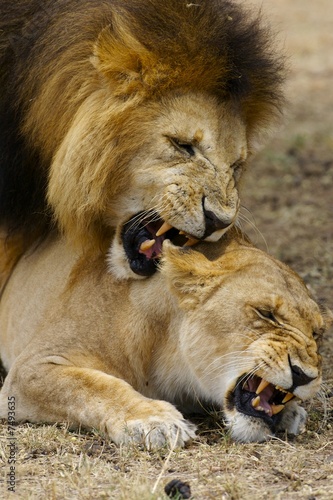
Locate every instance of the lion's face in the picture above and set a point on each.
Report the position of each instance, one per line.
(183, 178)
(250, 338)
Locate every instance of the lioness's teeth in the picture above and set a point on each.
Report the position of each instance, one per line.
(287, 398)
(276, 409)
(280, 388)
(146, 245)
(255, 402)
(263, 384)
(164, 228)
(190, 242)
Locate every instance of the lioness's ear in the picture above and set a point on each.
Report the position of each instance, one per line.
(124, 61)
(189, 274)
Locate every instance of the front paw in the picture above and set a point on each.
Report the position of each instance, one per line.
(293, 419)
(154, 425)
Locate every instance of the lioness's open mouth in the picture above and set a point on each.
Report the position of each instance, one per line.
(256, 397)
(143, 238)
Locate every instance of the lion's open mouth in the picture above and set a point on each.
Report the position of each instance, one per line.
(256, 397)
(143, 239)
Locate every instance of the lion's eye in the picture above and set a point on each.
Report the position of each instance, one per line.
(266, 314)
(183, 147)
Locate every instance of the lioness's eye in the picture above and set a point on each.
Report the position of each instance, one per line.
(184, 147)
(266, 314)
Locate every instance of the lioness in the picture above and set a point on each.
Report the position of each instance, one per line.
(227, 325)
(129, 110)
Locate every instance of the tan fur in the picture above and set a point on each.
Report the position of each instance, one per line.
(119, 356)
(149, 173)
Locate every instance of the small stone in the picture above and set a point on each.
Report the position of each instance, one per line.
(177, 489)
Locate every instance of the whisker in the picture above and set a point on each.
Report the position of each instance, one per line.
(239, 367)
(251, 373)
(252, 223)
(237, 364)
(239, 356)
(147, 216)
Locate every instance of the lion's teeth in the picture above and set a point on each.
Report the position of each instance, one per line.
(255, 402)
(190, 242)
(263, 384)
(146, 245)
(164, 228)
(276, 409)
(287, 398)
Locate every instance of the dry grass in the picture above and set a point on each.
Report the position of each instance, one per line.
(55, 463)
(289, 193)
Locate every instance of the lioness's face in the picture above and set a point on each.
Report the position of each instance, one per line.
(183, 181)
(250, 339)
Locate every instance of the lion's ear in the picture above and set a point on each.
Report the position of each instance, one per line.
(189, 274)
(124, 61)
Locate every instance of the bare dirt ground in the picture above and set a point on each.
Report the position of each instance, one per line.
(289, 194)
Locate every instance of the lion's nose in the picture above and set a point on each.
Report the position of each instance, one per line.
(299, 377)
(212, 222)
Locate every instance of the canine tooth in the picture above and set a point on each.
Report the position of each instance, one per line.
(255, 402)
(287, 397)
(263, 384)
(190, 242)
(164, 228)
(146, 245)
(276, 409)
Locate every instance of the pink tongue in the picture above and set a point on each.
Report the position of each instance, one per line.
(266, 406)
(265, 396)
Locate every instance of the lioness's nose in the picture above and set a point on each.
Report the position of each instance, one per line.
(299, 377)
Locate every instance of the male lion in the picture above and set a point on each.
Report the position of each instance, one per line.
(129, 110)
(228, 326)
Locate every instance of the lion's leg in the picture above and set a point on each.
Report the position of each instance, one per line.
(46, 392)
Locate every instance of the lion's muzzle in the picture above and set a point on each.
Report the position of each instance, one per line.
(143, 237)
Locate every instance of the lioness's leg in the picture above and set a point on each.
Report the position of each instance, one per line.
(293, 419)
(46, 392)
